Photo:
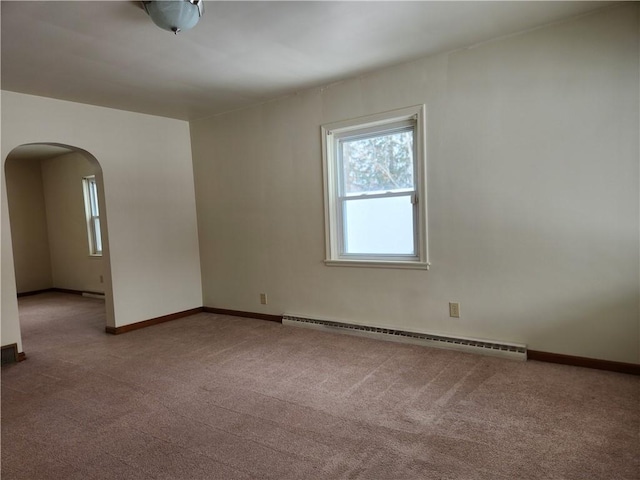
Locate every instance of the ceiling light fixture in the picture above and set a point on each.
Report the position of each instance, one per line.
(174, 15)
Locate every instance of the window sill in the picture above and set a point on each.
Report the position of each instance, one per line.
(378, 264)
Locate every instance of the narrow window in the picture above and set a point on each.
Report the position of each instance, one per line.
(375, 201)
(93, 215)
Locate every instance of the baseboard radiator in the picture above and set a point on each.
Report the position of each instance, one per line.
(505, 350)
(93, 295)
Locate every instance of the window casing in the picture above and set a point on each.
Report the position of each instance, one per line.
(92, 212)
(375, 190)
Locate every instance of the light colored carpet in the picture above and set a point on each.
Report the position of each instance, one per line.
(218, 397)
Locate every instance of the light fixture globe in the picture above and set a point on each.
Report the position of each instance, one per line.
(174, 15)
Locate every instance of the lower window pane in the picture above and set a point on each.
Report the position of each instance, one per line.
(382, 226)
(98, 235)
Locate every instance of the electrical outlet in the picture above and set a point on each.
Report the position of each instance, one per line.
(454, 309)
(263, 298)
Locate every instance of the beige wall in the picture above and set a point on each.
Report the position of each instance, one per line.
(72, 266)
(533, 193)
(28, 225)
(152, 263)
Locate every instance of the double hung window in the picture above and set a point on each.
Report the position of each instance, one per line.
(93, 215)
(375, 211)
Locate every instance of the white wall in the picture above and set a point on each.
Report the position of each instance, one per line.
(71, 265)
(28, 225)
(149, 202)
(533, 195)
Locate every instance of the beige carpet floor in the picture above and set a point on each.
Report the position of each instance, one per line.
(218, 397)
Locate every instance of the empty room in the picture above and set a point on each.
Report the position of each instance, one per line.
(320, 240)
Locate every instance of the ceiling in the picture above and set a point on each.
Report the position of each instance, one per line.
(37, 152)
(241, 53)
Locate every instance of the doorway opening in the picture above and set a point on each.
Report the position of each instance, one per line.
(58, 224)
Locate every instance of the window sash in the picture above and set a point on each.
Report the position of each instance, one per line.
(96, 235)
(368, 133)
(93, 197)
(414, 255)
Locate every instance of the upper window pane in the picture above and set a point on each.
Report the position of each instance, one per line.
(379, 163)
(93, 196)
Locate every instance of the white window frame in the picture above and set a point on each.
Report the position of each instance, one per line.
(332, 133)
(92, 215)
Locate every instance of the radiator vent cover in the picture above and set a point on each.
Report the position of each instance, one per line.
(9, 354)
(499, 349)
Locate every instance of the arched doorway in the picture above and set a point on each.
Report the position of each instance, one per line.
(51, 239)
